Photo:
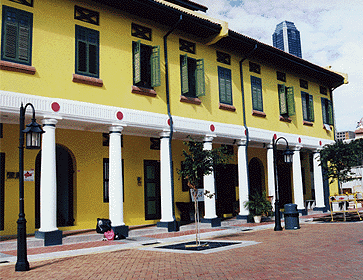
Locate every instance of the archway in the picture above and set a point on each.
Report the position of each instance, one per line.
(256, 176)
(65, 184)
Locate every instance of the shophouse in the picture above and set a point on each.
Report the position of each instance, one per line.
(118, 87)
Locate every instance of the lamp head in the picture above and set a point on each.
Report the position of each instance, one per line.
(33, 133)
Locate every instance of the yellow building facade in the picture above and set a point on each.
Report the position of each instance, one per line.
(119, 87)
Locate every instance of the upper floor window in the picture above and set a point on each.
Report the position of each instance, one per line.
(256, 89)
(225, 85)
(281, 76)
(186, 46)
(192, 76)
(304, 84)
(87, 51)
(327, 110)
(307, 106)
(254, 67)
(224, 58)
(24, 2)
(323, 90)
(16, 39)
(146, 65)
(286, 101)
(141, 31)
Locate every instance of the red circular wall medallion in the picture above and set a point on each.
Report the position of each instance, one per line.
(212, 128)
(55, 106)
(119, 115)
(275, 136)
(320, 143)
(299, 140)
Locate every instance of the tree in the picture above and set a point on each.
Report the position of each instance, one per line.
(197, 164)
(339, 158)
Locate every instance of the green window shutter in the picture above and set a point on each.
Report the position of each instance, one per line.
(256, 88)
(228, 79)
(290, 101)
(137, 62)
(155, 66)
(17, 35)
(222, 85)
(199, 77)
(184, 74)
(304, 106)
(311, 108)
(282, 100)
(330, 112)
(324, 111)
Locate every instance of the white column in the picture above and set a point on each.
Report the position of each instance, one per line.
(116, 212)
(297, 179)
(318, 182)
(165, 179)
(242, 178)
(271, 173)
(209, 186)
(48, 179)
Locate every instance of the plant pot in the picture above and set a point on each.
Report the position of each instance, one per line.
(257, 219)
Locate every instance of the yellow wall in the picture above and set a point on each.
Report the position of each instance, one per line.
(54, 59)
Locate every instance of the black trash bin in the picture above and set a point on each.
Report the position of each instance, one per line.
(291, 216)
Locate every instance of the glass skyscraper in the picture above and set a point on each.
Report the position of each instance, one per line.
(287, 38)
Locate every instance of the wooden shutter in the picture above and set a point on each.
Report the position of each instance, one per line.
(282, 100)
(324, 111)
(256, 94)
(137, 62)
(184, 74)
(222, 85)
(155, 66)
(290, 101)
(228, 80)
(311, 108)
(199, 77)
(330, 112)
(17, 35)
(304, 102)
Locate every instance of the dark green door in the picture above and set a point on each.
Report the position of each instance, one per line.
(152, 189)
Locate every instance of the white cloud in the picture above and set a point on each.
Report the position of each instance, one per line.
(331, 34)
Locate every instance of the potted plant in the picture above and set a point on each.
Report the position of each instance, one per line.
(259, 206)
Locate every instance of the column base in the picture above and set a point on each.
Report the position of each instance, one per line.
(241, 217)
(303, 212)
(121, 231)
(50, 238)
(171, 226)
(322, 209)
(214, 222)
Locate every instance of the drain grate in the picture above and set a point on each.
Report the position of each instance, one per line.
(191, 246)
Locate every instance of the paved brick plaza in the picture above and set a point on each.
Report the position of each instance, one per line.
(316, 251)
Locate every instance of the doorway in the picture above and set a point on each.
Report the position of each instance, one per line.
(65, 168)
(152, 189)
(284, 180)
(226, 180)
(256, 177)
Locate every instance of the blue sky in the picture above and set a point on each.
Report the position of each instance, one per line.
(331, 34)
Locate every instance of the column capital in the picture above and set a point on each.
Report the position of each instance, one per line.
(242, 142)
(118, 128)
(269, 146)
(209, 138)
(49, 122)
(296, 148)
(317, 151)
(165, 133)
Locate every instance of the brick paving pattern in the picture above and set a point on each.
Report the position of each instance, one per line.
(315, 251)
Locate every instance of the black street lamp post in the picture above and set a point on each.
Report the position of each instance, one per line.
(33, 139)
(287, 159)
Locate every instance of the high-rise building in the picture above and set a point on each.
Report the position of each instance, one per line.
(345, 135)
(287, 38)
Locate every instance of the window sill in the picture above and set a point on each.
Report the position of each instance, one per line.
(327, 127)
(190, 100)
(227, 107)
(87, 80)
(308, 123)
(143, 91)
(258, 114)
(284, 119)
(17, 67)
